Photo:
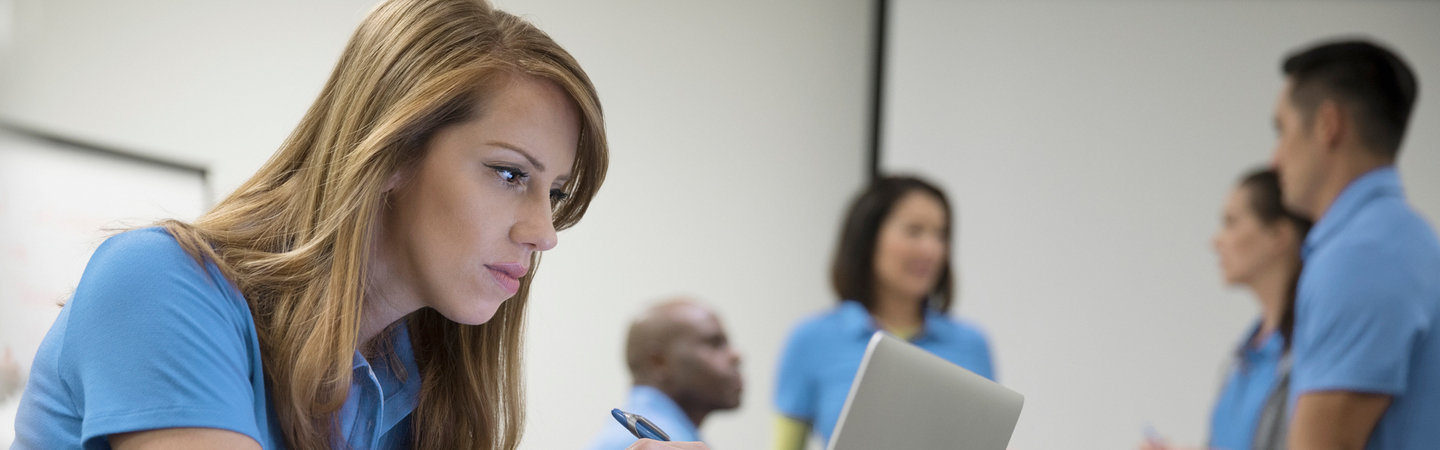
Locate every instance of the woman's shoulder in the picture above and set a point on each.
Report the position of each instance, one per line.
(825, 324)
(143, 290)
(148, 269)
(139, 245)
(960, 329)
(152, 338)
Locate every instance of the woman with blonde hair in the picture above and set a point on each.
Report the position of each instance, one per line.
(366, 289)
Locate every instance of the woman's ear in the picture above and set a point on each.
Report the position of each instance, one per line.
(396, 179)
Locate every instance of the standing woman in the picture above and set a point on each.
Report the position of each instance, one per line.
(366, 289)
(892, 272)
(1259, 247)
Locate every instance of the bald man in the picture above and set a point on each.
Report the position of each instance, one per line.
(683, 368)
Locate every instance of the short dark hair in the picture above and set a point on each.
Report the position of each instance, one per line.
(853, 272)
(1373, 84)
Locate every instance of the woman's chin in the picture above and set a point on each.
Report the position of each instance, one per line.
(921, 291)
(475, 313)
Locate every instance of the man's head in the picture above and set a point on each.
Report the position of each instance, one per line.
(1343, 102)
(680, 348)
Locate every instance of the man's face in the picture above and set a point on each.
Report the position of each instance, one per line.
(704, 369)
(1300, 157)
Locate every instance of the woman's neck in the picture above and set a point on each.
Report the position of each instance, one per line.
(376, 315)
(1272, 288)
(897, 312)
(388, 298)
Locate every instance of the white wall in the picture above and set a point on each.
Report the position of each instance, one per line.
(217, 84)
(737, 132)
(1088, 146)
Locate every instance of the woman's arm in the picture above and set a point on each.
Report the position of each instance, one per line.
(182, 439)
(790, 434)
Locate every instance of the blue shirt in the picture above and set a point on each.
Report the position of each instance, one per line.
(151, 339)
(1247, 386)
(654, 406)
(1367, 308)
(824, 352)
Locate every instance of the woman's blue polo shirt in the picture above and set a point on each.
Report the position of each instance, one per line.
(151, 339)
(824, 352)
(1251, 379)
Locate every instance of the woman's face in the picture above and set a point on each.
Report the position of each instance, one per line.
(1246, 245)
(463, 223)
(911, 249)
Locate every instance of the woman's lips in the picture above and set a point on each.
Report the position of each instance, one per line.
(507, 275)
(921, 269)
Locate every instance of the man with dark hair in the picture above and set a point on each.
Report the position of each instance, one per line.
(1367, 321)
(684, 369)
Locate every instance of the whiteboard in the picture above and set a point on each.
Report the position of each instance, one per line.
(57, 203)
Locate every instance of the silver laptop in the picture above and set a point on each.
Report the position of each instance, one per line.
(905, 397)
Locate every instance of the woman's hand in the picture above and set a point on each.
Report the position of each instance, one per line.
(646, 444)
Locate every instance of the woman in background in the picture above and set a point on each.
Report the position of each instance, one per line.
(366, 289)
(1259, 247)
(892, 272)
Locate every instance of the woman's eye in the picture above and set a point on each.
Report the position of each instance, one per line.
(509, 175)
(557, 196)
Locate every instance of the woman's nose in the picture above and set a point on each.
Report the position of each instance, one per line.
(536, 228)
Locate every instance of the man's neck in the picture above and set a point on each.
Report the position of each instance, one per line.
(1355, 164)
(695, 413)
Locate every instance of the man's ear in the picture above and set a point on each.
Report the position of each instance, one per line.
(1330, 126)
(659, 365)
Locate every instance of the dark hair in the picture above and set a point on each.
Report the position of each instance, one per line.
(853, 272)
(1373, 84)
(1263, 190)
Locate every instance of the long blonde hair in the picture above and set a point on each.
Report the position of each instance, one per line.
(296, 237)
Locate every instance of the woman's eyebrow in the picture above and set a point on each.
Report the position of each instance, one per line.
(515, 148)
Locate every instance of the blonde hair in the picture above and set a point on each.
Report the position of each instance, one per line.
(296, 237)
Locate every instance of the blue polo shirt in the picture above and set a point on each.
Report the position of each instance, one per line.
(1368, 307)
(654, 406)
(1251, 379)
(824, 352)
(151, 339)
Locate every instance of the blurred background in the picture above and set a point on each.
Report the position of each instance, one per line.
(1088, 146)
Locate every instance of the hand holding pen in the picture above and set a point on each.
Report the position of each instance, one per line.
(651, 436)
(647, 444)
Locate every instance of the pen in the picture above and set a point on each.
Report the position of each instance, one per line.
(639, 426)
